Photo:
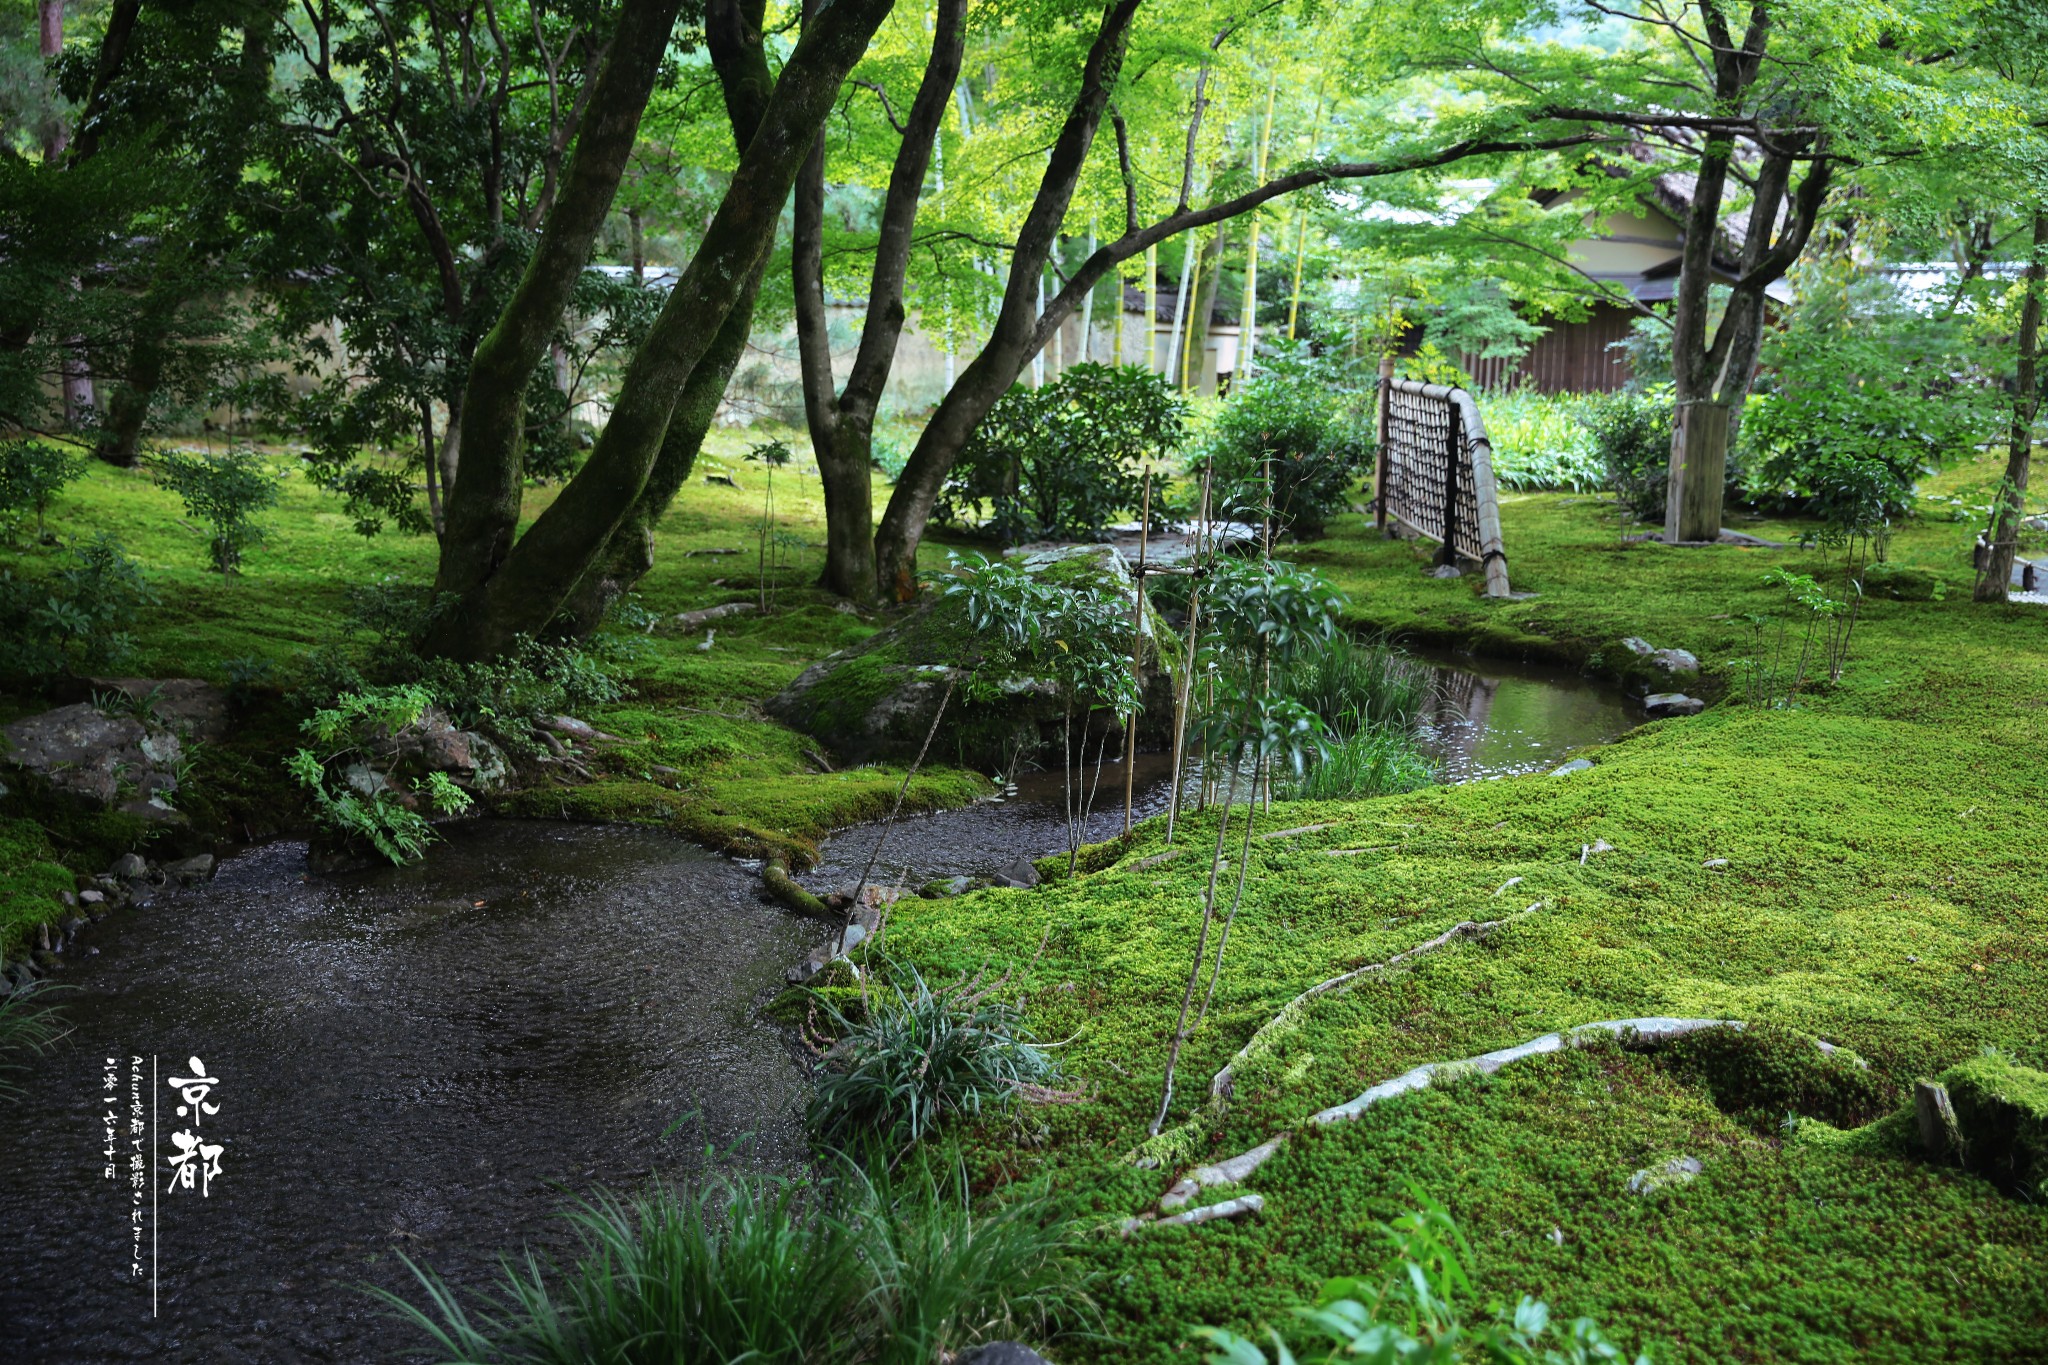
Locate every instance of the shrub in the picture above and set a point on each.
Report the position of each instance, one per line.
(770, 1271)
(1413, 1310)
(1631, 433)
(76, 618)
(1373, 680)
(27, 1025)
(1541, 441)
(1061, 461)
(918, 1057)
(31, 475)
(389, 821)
(1362, 760)
(1308, 416)
(224, 491)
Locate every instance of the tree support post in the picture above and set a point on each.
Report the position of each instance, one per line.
(1379, 474)
(1699, 469)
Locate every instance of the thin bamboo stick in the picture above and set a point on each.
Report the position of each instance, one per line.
(1137, 646)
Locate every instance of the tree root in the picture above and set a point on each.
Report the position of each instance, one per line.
(775, 876)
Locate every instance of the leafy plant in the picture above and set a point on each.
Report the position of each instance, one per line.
(1062, 460)
(1631, 435)
(1542, 441)
(31, 475)
(367, 808)
(78, 617)
(763, 1269)
(1412, 1311)
(1303, 416)
(919, 1057)
(1827, 626)
(225, 492)
(1361, 759)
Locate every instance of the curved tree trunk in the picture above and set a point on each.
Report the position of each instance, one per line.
(517, 589)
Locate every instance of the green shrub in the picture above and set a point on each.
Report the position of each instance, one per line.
(1063, 460)
(1309, 416)
(917, 1058)
(1413, 1310)
(1631, 433)
(76, 618)
(1361, 760)
(1541, 441)
(1373, 680)
(31, 475)
(772, 1272)
(225, 492)
(389, 821)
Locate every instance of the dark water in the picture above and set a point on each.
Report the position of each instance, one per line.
(1488, 719)
(401, 1070)
(404, 1071)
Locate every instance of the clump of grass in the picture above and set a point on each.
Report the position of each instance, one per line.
(1365, 760)
(919, 1056)
(27, 1026)
(768, 1270)
(1350, 681)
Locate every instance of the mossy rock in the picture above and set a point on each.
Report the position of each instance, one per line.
(876, 701)
(2001, 1110)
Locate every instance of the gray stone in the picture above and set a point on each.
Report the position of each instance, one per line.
(432, 744)
(92, 897)
(1673, 1174)
(1000, 1353)
(1676, 661)
(1020, 875)
(1715, 863)
(1577, 765)
(190, 706)
(194, 869)
(1636, 644)
(945, 886)
(129, 867)
(82, 752)
(1673, 704)
(1447, 571)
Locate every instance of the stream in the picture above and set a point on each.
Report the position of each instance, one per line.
(422, 1061)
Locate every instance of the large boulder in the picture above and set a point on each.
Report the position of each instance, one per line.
(431, 744)
(876, 700)
(118, 760)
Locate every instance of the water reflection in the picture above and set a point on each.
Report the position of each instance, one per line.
(1491, 719)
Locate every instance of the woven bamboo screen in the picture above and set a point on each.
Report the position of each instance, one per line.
(1436, 474)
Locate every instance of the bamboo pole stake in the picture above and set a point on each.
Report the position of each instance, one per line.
(1137, 647)
(1088, 306)
(1174, 367)
(1119, 320)
(1186, 692)
(1189, 338)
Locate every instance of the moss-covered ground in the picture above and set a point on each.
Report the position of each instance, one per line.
(1883, 840)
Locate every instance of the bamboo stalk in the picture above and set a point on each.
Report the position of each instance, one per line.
(1248, 310)
(1189, 337)
(1137, 646)
(1186, 691)
(1151, 310)
(1301, 223)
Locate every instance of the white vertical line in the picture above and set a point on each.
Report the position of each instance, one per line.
(152, 1184)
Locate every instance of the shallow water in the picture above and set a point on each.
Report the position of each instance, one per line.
(401, 1070)
(404, 1070)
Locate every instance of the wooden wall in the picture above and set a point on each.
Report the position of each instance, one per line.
(1572, 357)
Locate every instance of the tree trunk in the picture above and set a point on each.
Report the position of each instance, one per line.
(1699, 470)
(1995, 577)
(482, 506)
(842, 423)
(1013, 339)
(521, 592)
(50, 26)
(733, 38)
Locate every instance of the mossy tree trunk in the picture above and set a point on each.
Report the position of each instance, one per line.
(505, 589)
(1994, 578)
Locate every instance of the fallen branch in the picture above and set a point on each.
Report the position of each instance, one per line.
(775, 876)
(1220, 1087)
(690, 621)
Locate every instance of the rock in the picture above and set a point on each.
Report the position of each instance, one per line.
(188, 870)
(1675, 661)
(1577, 765)
(1020, 875)
(1446, 571)
(1000, 1353)
(92, 897)
(432, 744)
(1636, 644)
(129, 867)
(1936, 1118)
(84, 753)
(944, 887)
(1715, 863)
(876, 701)
(191, 707)
(1674, 1174)
(1673, 704)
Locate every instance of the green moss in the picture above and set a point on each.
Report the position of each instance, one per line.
(2002, 1113)
(31, 880)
